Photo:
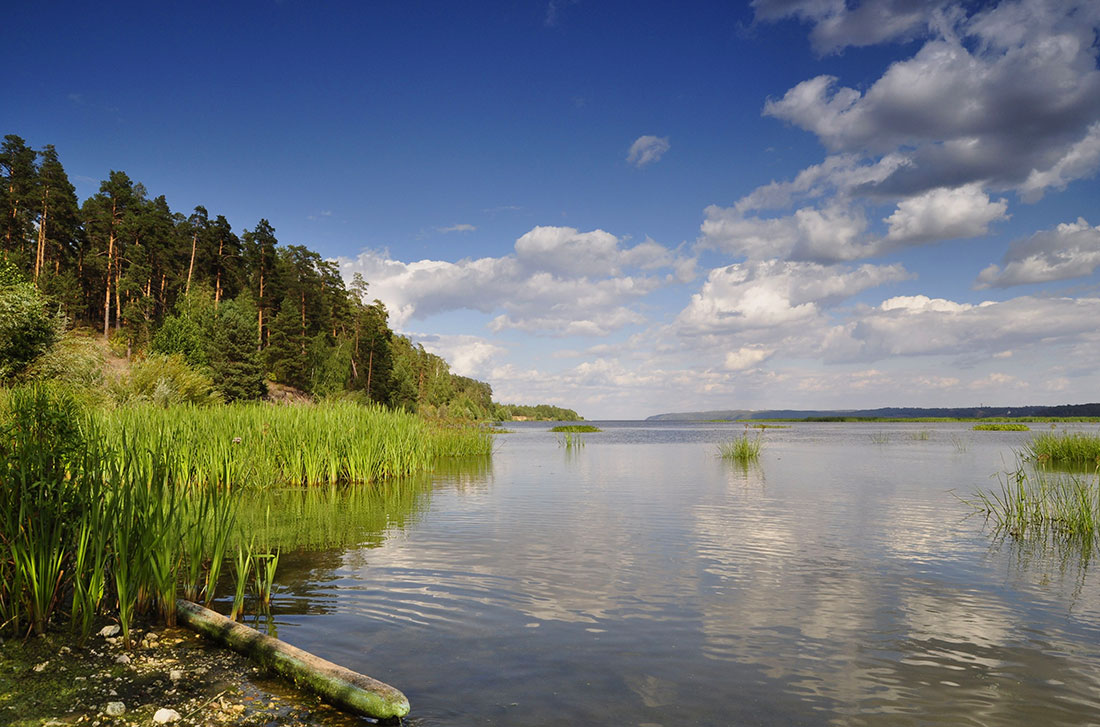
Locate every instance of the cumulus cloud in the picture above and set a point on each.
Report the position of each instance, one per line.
(836, 25)
(776, 296)
(747, 357)
(922, 326)
(558, 281)
(1006, 97)
(468, 355)
(943, 214)
(1071, 250)
(647, 149)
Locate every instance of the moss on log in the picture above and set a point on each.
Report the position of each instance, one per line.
(338, 686)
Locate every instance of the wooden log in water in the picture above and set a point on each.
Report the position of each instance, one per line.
(336, 685)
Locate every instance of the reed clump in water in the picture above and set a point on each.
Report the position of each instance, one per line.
(1035, 503)
(575, 428)
(571, 441)
(1002, 427)
(741, 449)
(1074, 449)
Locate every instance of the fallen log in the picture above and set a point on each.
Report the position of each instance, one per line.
(336, 685)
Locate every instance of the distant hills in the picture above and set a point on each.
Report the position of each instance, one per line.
(898, 412)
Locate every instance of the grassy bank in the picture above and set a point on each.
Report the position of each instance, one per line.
(122, 511)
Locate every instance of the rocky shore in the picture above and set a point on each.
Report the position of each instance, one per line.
(172, 676)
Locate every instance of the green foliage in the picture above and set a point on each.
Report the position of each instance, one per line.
(165, 380)
(742, 449)
(190, 330)
(1032, 503)
(1000, 427)
(27, 328)
(575, 428)
(538, 412)
(235, 362)
(1077, 449)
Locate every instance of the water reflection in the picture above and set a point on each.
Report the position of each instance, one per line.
(649, 582)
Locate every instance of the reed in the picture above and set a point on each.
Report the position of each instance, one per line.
(575, 428)
(1033, 503)
(1074, 449)
(571, 441)
(123, 510)
(741, 449)
(1002, 427)
(254, 445)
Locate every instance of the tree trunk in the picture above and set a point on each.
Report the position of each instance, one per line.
(191, 267)
(40, 253)
(341, 687)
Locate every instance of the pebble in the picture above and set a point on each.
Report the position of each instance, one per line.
(122, 659)
(164, 716)
(41, 667)
(110, 630)
(115, 709)
(175, 675)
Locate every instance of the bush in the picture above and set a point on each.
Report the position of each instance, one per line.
(166, 380)
(27, 329)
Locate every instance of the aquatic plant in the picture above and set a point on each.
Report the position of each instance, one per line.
(1001, 427)
(880, 437)
(1077, 449)
(571, 440)
(921, 436)
(1035, 503)
(741, 449)
(576, 428)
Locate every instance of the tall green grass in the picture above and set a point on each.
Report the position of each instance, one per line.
(1002, 427)
(742, 449)
(1075, 449)
(261, 445)
(119, 512)
(1036, 503)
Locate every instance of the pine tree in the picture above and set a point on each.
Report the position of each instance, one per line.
(235, 363)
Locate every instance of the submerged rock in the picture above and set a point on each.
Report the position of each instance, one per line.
(115, 709)
(109, 630)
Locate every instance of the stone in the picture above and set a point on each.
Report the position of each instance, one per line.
(115, 709)
(175, 675)
(41, 667)
(110, 630)
(122, 659)
(164, 716)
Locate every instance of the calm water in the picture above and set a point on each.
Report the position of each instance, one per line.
(643, 581)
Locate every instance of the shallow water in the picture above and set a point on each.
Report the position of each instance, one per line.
(641, 580)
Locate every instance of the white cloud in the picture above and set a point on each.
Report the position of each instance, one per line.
(836, 25)
(647, 149)
(747, 357)
(1007, 97)
(921, 326)
(776, 297)
(943, 214)
(1071, 250)
(468, 355)
(460, 227)
(559, 281)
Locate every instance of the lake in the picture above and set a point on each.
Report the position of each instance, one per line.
(641, 580)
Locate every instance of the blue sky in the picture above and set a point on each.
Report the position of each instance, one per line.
(632, 208)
